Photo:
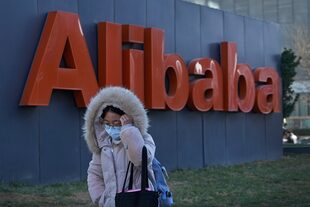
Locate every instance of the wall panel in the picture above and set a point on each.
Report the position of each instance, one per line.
(91, 13)
(187, 30)
(255, 133)
(130, 12)
(163, 129)
(235, 138)
(254, 43)
(234, 32)
(190, 139)
(214, 138)
(272, 50)
(19, 131)
(189, 123)
(60, 139)
(211, 34)
(161, 14)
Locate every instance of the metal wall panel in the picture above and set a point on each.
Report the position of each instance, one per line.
(255, 142)
(91, 13)
(235, 122)
(19, 137)
(214, 138)
(60, 139)
(190, 139)
(255, 137)
(189, 123)
(254, 43)
(47, 6)
(214, 128)
(272, 49)
(163, 129)
(86, 155)
(235, 138)
(160, 14)
(130, 12)
(272, 45)
(211, 34)
(274, 136)
(187, 30)
(234, 32)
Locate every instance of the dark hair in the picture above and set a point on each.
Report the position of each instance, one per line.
(113, 109)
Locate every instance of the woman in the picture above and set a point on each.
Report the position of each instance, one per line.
(115, 131)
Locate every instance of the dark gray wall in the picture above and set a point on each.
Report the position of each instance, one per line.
(45, 144)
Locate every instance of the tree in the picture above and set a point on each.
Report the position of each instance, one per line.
(289, 61)
(301, 45)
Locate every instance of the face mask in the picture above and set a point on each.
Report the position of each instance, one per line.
(113, 131)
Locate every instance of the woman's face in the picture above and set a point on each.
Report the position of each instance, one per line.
(112, 119)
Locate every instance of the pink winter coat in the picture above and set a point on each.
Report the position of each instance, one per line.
(107, 169)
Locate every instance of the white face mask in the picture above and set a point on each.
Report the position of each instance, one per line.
(113, 131)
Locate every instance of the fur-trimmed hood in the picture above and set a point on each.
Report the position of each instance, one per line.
(118, 97)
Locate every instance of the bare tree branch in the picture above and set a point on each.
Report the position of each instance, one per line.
(301, 45)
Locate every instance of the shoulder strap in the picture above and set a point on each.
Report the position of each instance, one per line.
(144, 172)
(131, 177)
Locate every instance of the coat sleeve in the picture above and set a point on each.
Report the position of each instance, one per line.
(134, 142)
(95, 181)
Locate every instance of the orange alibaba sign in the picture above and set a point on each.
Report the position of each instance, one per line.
(227, 86)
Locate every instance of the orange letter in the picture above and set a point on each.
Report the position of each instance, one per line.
(177, 72)
(267, 96)
(154, 73)
(239, 86)
(133, 60)
(62, 36)
(110, 54)
(156, 69)
(245, 87)
(206, 93)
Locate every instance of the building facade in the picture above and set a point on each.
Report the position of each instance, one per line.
(44, 144)
(294, 20)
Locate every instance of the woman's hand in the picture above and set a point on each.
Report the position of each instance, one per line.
(125, 119)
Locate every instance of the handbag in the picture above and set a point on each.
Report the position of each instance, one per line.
(141, 197)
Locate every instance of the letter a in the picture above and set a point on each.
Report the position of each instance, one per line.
(62, 37)
(268, 92)
(206, 93)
